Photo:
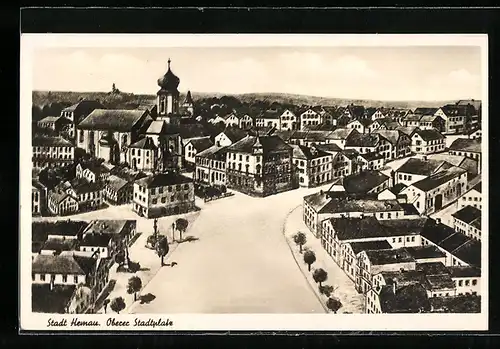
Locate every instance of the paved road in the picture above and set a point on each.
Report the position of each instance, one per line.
(240, 264)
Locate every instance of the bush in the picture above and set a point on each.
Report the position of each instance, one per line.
(327, 290)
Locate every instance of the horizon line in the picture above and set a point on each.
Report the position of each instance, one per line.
(276, 93)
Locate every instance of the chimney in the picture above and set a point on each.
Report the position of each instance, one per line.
(424, 157)
(438, 220)
(218, 143)
(321, 192)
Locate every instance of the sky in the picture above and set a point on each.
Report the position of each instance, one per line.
(378, 73)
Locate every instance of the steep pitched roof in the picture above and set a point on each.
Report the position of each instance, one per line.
(60, 264)
(307, 153)
(269, 143)
(458, 110)
(201, 144)
(422, 167)
(425, 111)
(163, 179)
(115, 182)
(390, 135)
(119, 120)
(234, 134)
(430, 135)
(362, 140)
(144, 143)
(408, 130)
(408, 299)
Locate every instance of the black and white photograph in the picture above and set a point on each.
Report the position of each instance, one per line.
(339, 178)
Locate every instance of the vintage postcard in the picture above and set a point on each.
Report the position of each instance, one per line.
(253, 182)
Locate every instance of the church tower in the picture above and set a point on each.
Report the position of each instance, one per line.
(188, 103)
(168, 95)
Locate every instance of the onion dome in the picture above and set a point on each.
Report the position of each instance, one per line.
(169, 81)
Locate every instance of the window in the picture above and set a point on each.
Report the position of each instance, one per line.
(42, 277)
(412, 239)
(186, 186)
(65, 278)
(178, 187)
(160, 190)
(467, 282)
(75, 279)
(52, 278)
(163, 200)
(153, 191)
(474, 282)
(155, 201)
(33, 276)
(400, 240)
(393, 239)
(185, 196)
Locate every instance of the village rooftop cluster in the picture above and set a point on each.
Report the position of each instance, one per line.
(377, 221)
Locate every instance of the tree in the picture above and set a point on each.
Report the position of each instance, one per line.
(300, 239)
(333, 304)
(105, 304)
(120, 258)
(181, 225)
(309, 258)
(162, 248)
(134, 286)
(320, 275)
(117, 305)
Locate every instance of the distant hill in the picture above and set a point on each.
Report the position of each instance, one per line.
(42, 98)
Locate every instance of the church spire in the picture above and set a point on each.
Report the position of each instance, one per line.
(169, 63)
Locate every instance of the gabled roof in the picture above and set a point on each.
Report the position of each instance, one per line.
(60, 264)
(57, 196)
(408, 299)
(144, 143)
(331, 148)
(118, 120)
(163, 179)
(317, 200)
(389, 256)
(425, 111)
(81, 185)
(466, 144)
(364, 122)
(268, 143)
(234, 134)
(201, 144)
(356, 111)
(55, 119)
(371, 156)
(439, 178)
(157, 127)
(408, 130)
(458, 110)
(464, 271)
(422, 167)
(391, 136)
(115, 182)
(429, 118)
(307, 153)
(430, 135)
(358, 247)
(364, 181)
(362, 140)
(341, 133)
(347, 205)
(212, 152)
(425, 252)
(468, 214)
(83, 104)
(96, 239)
(477, 187)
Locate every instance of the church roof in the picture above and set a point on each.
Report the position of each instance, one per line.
(169, 81)
(188, 99)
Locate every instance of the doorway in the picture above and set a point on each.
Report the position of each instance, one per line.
(438, 202)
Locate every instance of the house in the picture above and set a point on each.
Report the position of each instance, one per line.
(324, 205)
(354, 111)
(229, 136)
(59, 124)
(313, 165)
(390, 299)
(259, 165)
(412, 120)
(378, 114)
(120, 230)
(210, 166)
(150, 106)
(366, 182)
(393, 193)
(90, 195)
(231, 120)
(467, 163)
(118, 191)
(340, 135)
(472, 197)
(54, 299)
(468, 221)
(168, 138)
(92, 171)
(72, 268)
(79, 111)
(429, 122)
(475, 134)
(163, 194)
(99, 243)
(269, 118)
(361, 125)
(427, 141)
(143, 155)
(195, 146)
(107, 133)
(363, 143)
(384, 124)
(38, 198)
(341, 164)
(310, 117)
(430, 194)
(188, 104)
(467, 279)
(397, 144)
(51, 152)
(416, 169)
(61, 203)
(470, 148)
(352, 251)
(460, 249)
(408, 130)
(56, 245)
(457, 118)
(371, 161)
(425, 111)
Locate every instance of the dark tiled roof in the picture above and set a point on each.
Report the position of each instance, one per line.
(405, 226)
(116, 183)
(269, 143)
(358, 247)
(468, 214)
(201, 144)
(391, 136)
(55, 301)
(424, 252)
(118, 120)
(317, 200)
(163, 179)
(330, 148)
(421, 167)
(144, 143)
(307, 153)
(83, 104)
(432, 268)
(341, 133)
(359, 228)
(407, 130)
(362, 140)
(458, 110)
(235, 134)
(463, 272)
(430, 135)
(46, 141)
(364, 181)
(57, 196)
(60, 244)
(356, 111)
(389, 256)
(459, 304)
(61, 264)
(397, 188)
(439, 282)
(372, 156)
(425, 111)
(470, 253)
(438, 178)
(341, 205)
(407, 299)
(212, 152)
(466, 144)
(81, 185)
(96, 239)
(409, 209)
(40, 230)
(350, 153)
